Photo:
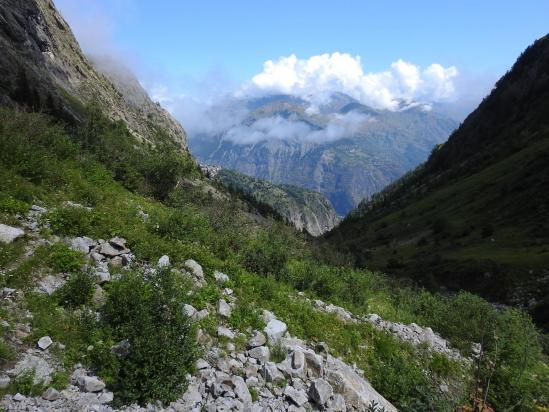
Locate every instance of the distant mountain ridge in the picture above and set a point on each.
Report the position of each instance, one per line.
(42, 66)
(343, 149)
(305, 209)
(475, 215)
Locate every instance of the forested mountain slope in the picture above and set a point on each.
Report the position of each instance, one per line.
(475, 215)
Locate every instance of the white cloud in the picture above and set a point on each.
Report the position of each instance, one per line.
(318, 76)
(279, 128)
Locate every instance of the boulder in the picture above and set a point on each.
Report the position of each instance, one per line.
(223, 331)
(275, 329)
(50, 284)
(29, 362)
(297, 396)
(164, 261)
(99, 298)
(261, 353)
(51, 394)
(118, 242)
(298, 359)
(241, 390)
(337, 404)
(9, 233)
(106, 249)
(195, 269)
(82, 244)
(223, 308)
(257, 340)
(4, 381)
(44, 342)
(357, 392)
(220, 277)
(320, 391)
(90, 384)
(271, 373)
(189, 310)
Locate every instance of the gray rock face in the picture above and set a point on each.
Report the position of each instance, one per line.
(37, 37)
(9, 233)
(29, 362)
(307, 210)
(357, 392)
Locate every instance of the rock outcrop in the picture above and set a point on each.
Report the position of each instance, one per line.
(42, 65)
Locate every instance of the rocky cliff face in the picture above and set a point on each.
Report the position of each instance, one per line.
(370, 148)
(305, 209)
(42, 65)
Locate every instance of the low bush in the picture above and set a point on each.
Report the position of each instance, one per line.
(77, 291)
(63, 259)
(148, 313)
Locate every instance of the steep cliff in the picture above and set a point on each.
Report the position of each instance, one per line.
(42, 66)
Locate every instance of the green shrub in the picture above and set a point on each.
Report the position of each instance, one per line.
(63, 259)
(6, 353)
(148, 312)
(266, 255)
(77, 291)
(74, 221)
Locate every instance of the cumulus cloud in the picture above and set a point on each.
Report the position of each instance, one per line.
(279, 128)
(317, 77)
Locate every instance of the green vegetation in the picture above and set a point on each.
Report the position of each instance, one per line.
(147, 312)
(475, 214)
(268, 263)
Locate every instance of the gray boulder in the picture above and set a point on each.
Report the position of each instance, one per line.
(51, 394)
(261, 353)
(223, 331)
(357, 392)
(164, 261)
(220, 277)
(257, 340)
(275, 329)
(90, 384)
(223, 308)
(320, 391)
(297, 396)
(82, 244)
(44, 342)
(9, 233)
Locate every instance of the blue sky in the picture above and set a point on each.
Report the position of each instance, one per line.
(184, 46)
(192, 37)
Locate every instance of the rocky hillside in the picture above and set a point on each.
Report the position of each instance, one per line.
(346, 151)
(474, 215)
(42, 66)
(131, 282)
(304, 209)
